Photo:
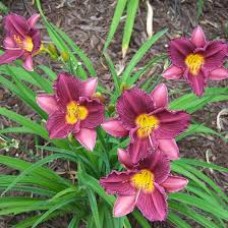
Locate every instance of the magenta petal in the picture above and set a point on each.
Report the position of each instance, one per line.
(124, 205)
(132, 103)
(170, 148)
(138, 149)
(124, 158)
(118, 183)
(115, 128)
(87, 138)
(36, 39)
(197, 82)
(9, 43)
(215, 54)
(173, 72)
(90, 87)
(68, 88)
(172, 123)
(174, 183)
(47, 103)
(153, 205)
(160, 96)
(95, 113)
(218, 74)
(10, 56)
(57, 126)
(198, 37)
(158, 163)
(179, 49)
(28, 64)
(33, 19)
(16, 25)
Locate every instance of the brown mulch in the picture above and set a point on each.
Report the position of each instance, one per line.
(87, 23)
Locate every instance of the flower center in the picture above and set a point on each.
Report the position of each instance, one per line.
(143, 180)
(146, 125)
(194, 63)
(25, 44)
(75, 112)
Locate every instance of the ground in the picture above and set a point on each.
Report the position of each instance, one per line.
(87, 23)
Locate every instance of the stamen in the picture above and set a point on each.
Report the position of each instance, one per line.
(25, 44)
(146, 124)
(28, 44)
(75, 112)
(143, 180)
(194, 63)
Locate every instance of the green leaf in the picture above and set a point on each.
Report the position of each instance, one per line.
(94, 207)
(115, 21)
(200, 163)
(43, 83)
(74, 222)
(3, 8)
(179, 169)
(140, 53)
(93, 184)
(21, 130)
(114, 75)
(63, 202)
(191, 103)
(88, 63)
(190, 213)
(139, 74)
(140, 219)
(28, 222)
(49, 72)
(74, 66)
(24, 92)
(132, 7)
(22, 74)
(200, 5)
(199, 129)
(219, 193)
(34, 169)
(199, 203)
(34, 127)
(177, 221)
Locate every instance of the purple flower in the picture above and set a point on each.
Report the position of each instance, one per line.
(197, 60)
(73, 109)
(22, 40)
(149, 123)
(143, 186)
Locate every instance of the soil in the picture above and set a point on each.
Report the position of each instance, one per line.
(87, 23)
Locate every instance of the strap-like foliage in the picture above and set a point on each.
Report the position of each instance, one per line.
(37, 188)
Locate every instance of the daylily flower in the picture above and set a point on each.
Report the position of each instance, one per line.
(143, 186)
(73, 109)
(197, 60)
(22, 40)
(149, 123)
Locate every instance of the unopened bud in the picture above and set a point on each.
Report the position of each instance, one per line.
(111, 108)
(99, 96)
(124, 87)
(65, 56)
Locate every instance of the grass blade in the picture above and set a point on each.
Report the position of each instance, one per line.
(140, 53)
(132, 7)
(115, 21)
(94, 207)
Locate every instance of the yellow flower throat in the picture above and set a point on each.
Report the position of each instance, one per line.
(146, 124)
(75, 112)
(25, 44)
(194, 63)
(143, 180)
